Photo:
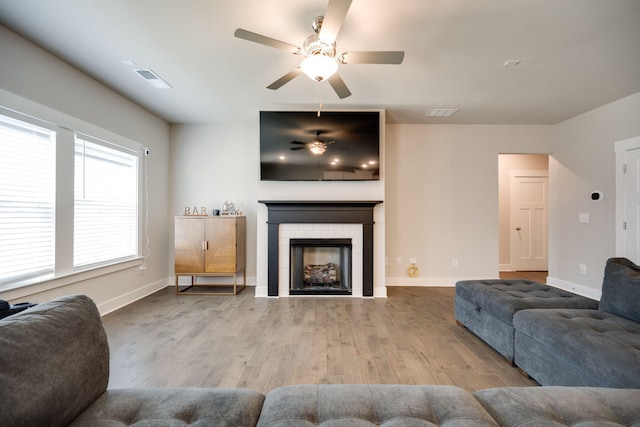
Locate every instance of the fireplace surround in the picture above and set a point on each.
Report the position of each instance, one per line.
(350, 212)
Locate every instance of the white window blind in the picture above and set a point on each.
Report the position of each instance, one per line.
(27, 199)
(105, 207)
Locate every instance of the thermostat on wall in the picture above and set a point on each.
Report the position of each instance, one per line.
(597, 196)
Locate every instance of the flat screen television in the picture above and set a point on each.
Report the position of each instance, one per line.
(335, 146)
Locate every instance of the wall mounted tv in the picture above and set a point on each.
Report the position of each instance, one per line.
(335, 146)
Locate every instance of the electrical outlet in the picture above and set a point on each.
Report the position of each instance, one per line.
(582, 268)
(142, 269)
(455, 263)
(398, 261)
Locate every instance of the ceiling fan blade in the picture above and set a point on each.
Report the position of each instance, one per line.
(333, 19)
(297, 148)
(285, 79)
(339, 86)
(365, 57)
(268, 41)
(299, 142)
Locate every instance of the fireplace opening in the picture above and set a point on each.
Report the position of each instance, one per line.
(320, 267)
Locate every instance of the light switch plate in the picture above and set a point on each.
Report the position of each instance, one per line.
(583, 218)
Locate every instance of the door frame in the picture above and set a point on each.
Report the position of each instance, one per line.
(621, 149)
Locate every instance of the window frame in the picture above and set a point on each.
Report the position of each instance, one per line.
(79, 137)
(30, 126)
(66, 128)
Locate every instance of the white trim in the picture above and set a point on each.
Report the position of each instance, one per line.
(505, 267)
(132, 296)
(286, 232)
(575, 288)
(428, 281)
(621, 148)
(24, 289)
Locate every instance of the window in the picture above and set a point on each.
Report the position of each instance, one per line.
(69, 202)
(27, 197)
(105, 203)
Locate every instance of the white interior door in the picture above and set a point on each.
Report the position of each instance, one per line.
(631, 200)
(529, 221)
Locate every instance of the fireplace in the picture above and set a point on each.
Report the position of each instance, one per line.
(353, 220)
(320, 267)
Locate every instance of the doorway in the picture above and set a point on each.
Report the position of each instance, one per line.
(523, 212)
(628, 199)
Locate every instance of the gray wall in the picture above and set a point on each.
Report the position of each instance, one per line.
(442, 197)
(583, 161)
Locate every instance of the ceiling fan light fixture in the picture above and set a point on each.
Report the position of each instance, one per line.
(319, 67)
(317, 147)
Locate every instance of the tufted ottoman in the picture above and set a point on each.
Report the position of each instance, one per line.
(486, 307)
(362, 405)
(578, 348)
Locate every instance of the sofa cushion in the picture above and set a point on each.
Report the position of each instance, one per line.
(621, 289)
(173, 407)
(605, 347)
(561, 406)
(55, 362)
(371, 405)
(502, 298)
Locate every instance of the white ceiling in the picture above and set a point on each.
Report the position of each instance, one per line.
(575, 55)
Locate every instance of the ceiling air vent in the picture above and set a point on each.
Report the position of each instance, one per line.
(152, 78)
(442, 112)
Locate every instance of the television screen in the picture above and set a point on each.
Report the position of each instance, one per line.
(335, 146)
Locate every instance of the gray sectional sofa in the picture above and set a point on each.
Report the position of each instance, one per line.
(487, 307)
(562, 342)
(54, 370)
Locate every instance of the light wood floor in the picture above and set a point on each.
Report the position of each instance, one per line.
(538, 276)
(410, 337)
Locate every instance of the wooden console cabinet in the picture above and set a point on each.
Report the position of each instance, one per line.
(210, 246)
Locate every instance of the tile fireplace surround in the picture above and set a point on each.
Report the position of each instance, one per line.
(320, 219)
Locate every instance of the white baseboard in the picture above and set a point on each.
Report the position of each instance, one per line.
(379, 292)
(451, 281)
(506, 267)
(428, 281)
(575, 288)
(262, 292)
(136, 294)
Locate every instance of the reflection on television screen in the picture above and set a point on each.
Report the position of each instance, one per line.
(336, 146)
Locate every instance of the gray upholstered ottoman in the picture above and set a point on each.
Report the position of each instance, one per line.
(371, 405)
(486, 307)
(578, 348)
(561, 406)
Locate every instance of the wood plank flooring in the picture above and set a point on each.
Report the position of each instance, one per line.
(411, 337)
(538, 276)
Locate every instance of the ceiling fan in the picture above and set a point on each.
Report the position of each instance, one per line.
(317, 146)
(321, 59)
